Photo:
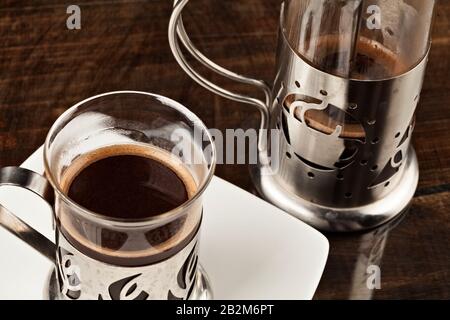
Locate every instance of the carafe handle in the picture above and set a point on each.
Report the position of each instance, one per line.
(177, 32)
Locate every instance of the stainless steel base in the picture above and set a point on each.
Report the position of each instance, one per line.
(341, 219)
(202, 287)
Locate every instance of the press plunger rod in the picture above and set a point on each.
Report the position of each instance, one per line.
(354, 48)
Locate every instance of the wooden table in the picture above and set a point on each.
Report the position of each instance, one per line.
(45, 68)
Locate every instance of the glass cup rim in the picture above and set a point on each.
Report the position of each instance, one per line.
(120, 222)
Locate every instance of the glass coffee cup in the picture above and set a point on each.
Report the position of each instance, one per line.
(125, 174)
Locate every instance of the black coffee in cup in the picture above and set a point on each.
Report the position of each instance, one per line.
(128, 187)
(130, 183)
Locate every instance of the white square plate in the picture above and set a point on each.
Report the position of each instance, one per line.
(249, 248)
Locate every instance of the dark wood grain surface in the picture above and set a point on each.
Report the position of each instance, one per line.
(45, 68)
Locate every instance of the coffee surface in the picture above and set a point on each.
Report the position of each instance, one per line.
(370, 60)
(128, 187)
(130, 183)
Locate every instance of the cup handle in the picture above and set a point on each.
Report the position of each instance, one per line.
(34, 182)
(177, 32)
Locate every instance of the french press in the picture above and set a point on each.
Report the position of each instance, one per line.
(348, 80)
